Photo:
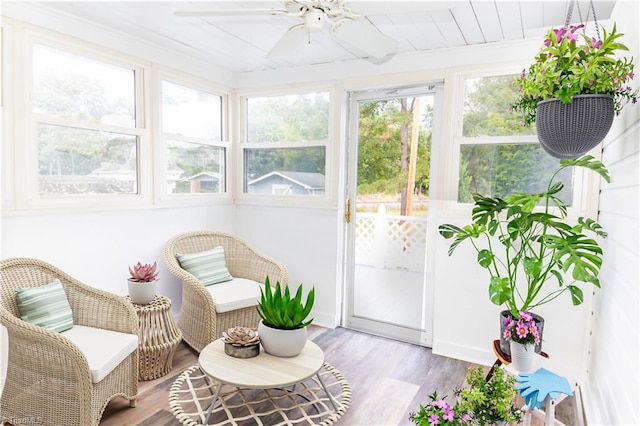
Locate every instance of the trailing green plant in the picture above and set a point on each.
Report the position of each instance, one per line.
(143, 273)
(489, 402)
(570, 63)
(525, 237)
(278, 310)
(481, 402)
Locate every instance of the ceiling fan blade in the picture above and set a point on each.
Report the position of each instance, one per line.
(289, 42)
(362, 38)
(229, 12)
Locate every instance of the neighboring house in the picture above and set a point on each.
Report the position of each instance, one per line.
(203, 182)
(288, 183)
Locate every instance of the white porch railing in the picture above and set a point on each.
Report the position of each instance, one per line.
(390, 241)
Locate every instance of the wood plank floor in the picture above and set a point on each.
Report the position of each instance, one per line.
(389, 379)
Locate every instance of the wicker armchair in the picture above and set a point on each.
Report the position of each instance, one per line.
(49, 381)
(199, 322)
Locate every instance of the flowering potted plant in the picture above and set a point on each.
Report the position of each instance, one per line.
(574, 69)
(438, 412)
(482, 402)
(142, 282)
(522, 333)
(490, 401)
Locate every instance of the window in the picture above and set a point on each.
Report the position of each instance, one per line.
(85, 122)
(286, 149)
(498, 155)
(192, 129)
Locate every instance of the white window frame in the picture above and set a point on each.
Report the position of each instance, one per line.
(7, 176)
(585, 183)
(20, 179)
(160, 155)
(328, 199)
(27, 189)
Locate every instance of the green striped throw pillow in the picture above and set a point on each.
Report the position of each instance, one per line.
(46, 306)
(208, 266)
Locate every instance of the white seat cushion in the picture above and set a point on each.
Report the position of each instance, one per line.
(104, 349)
(235, 294)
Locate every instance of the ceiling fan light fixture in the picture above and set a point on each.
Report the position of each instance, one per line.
(314, 20)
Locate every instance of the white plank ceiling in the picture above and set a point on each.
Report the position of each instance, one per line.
(240, 43)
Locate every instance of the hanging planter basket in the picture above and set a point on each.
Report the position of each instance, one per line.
(571, 130)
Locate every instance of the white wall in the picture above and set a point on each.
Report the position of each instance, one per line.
(305, 241)
(97, 247)
(612, 385)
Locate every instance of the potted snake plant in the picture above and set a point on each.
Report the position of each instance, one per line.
(283, 328)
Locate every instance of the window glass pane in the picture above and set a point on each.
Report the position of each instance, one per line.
(285, 171)
(75, 87)
(195, 168)
(79, 161)
(292, 118)
(191, 112)
(487, 108)
(498, 170)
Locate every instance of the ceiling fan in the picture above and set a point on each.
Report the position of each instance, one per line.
(351, 30)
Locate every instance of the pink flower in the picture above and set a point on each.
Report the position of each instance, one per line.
(507, 334)
(433, 419)
(595, 43)
(526, 316)
(572, 37)
(522, 330)
(441, 403)
(448, 415)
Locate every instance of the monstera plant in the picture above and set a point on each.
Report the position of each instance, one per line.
(530, 251)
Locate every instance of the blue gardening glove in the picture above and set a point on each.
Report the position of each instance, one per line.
(534, 387)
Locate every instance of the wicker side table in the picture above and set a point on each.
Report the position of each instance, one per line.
(158, 338)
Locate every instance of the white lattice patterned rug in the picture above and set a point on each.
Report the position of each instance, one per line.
(304, 404)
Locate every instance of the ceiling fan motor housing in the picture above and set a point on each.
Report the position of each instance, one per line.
(314, 20)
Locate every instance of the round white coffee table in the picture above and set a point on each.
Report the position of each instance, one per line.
(261, 372)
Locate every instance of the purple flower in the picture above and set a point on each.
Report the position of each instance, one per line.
(590, 82)
(433, 419)
(596, 43)
(507, 321)
(547, 42)
(525, 315)
(573, 28)
(441, 403)
(559, 33)
(572, 37)
(448, 415)
(466, 418)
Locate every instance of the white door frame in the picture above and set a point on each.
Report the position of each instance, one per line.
(423, 336)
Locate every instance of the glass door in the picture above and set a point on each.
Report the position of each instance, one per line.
(390, 139)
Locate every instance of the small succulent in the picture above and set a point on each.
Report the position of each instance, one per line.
(143, 273)
(241, 336)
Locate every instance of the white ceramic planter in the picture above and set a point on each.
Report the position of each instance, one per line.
(282, 343)
(522, 357)
(142, 293)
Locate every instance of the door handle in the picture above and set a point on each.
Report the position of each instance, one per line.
(347, 213)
